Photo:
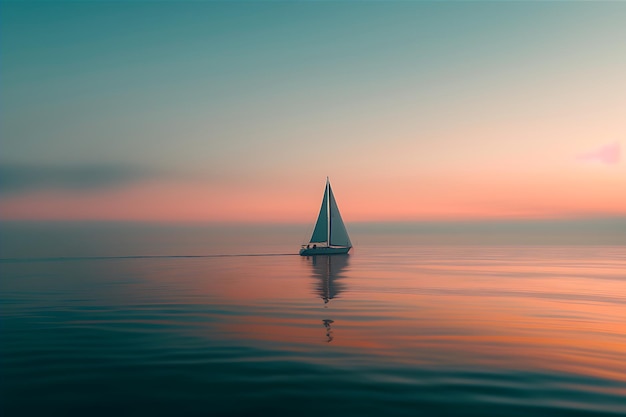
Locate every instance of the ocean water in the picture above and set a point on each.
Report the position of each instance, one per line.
(145, 321)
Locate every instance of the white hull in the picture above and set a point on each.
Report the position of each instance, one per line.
(324, 250)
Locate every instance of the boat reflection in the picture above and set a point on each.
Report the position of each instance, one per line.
(327, 271)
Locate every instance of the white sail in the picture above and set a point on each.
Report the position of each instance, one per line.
(320, 233)
(338, 232)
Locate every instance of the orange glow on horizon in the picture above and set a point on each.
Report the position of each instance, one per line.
(372, 200)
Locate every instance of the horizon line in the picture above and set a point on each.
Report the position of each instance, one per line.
(298, 223)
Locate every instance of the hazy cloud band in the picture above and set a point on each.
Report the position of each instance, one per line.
(15, 179)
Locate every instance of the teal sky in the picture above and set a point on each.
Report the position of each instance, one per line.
(252, 93)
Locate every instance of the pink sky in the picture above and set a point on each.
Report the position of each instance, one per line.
(608, 154)
(589, 193)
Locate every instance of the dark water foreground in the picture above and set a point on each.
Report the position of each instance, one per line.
(484, 331)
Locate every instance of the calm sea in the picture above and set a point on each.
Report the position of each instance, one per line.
(105, 321)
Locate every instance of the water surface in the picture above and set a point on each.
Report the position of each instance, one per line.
(388, 330)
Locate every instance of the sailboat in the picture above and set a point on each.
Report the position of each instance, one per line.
(330, 236)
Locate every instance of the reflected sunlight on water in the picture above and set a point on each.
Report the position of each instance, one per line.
(399, 331)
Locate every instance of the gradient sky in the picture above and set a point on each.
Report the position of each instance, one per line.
(237, 111)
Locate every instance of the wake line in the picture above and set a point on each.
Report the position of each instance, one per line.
(98, 258)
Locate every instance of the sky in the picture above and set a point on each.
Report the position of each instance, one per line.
(238, 111)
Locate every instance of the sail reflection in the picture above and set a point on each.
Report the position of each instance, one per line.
(327, 270)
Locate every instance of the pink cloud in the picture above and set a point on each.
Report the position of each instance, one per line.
(607, 154)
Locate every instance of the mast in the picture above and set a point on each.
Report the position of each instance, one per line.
(328, 208)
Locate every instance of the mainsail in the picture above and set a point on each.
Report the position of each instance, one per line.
(338, 233)
(329, 227)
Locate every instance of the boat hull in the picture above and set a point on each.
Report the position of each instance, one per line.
(324, 250)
